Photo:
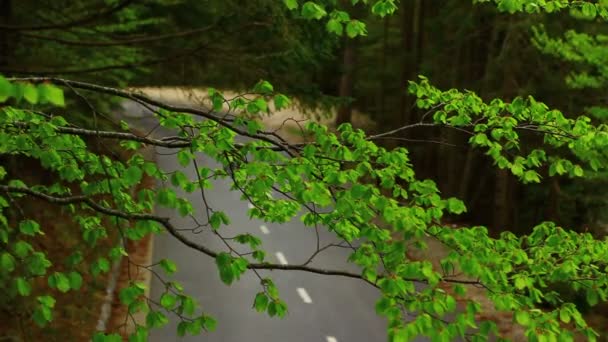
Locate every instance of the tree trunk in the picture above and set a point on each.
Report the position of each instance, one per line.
(411, 31)
(467, 175)
(552, 208)
(383, 78)
(406, 38)
(347, 82)
(5, 17)
(502, 207)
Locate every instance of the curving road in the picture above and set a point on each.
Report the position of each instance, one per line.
(320, 308)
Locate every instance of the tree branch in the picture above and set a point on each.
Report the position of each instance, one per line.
(281, 144)
(133, 41)
(65, 200)
(168, 226)
(108, 67)
(78, 22)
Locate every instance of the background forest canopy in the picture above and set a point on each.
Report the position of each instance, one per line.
(506, 130)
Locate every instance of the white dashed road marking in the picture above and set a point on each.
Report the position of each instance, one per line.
(304, 295)
(281, 258)
(331, 339)
(264, 229)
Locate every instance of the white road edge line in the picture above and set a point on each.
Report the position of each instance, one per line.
(304, 295)
(264, 229)
(331, 339)
(281, 258)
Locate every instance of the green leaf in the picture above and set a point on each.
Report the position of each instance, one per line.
(291, 4)
(182, 328)
(168, 266)
(51, 94)
(188, 305)
(401, 335)
(140, 335)
(258, 255)
(156, 319)
(253, 126)
(42, 315)
(37, 263)
(510, 6)
(589, 10)
(355, 28)
(102, 265)
(209, 323)
(168, 301)
(30, 94)
(335, 26)
(59, 281)
(194, 328)
(456, 206)
(224, 263)
(217, 100)
(47, 301)
(124, 125)
(103, 337)
(7, 263)
(184, 157)
(75, 280)
(523, 318)
(460, 290)
(116, 253)
(167, 198)
(253, 241)
(217, 218)
(29, 227)
(592, 297)
(263, 87)
(6, 89)
(261, 302)
(277, 308)
(531, 176)
(262, 104)
(130, 145)
(23, 287)
(311, 10)
(383, 8)
(564, 315)
(133, 175)
(520, 283)
(130, 294)
(281, 101)
(138, 305)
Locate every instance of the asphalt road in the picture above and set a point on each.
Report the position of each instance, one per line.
(320, 308)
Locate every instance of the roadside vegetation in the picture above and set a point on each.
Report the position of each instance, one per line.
(478, 169)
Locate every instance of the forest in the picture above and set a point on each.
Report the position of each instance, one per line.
(422, 169)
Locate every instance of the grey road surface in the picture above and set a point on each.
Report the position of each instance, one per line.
(320, 308)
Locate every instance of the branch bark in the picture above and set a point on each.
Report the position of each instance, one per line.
(82, 21)
(81, 199)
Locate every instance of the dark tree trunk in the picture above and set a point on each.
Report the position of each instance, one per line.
(411, 32)
(406, 38)
(5, 46)
(501, 201)
(383, 78)
(346, 87)
(552, 208)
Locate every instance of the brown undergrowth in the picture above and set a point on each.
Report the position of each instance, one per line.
(597, 317)
(76, 313)
(132, 269)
